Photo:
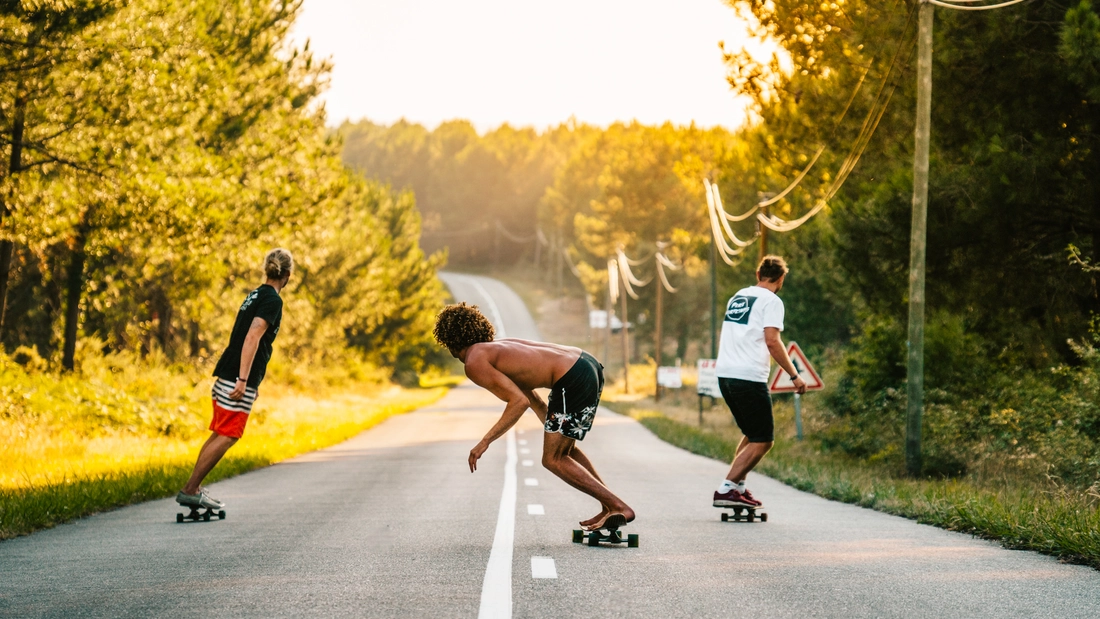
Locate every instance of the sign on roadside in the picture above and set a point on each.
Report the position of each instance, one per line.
(597, 319)
(782, 383)
(669, 377)
(708, 378)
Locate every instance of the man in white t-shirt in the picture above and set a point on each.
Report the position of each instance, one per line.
(750, 340)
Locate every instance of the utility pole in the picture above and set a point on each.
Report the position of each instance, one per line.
(713, 298)
(917, 244)
(657, 345)
(626, 341)
(763, 196)
(763, 235)
(607, 329)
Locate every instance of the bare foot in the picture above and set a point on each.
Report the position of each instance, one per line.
(613, 519)
(604, 511)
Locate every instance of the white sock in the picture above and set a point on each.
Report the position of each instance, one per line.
(726, 486)
(741, 487)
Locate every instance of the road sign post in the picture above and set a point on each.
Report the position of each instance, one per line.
(798, 416)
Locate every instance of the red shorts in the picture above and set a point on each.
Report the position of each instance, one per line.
(230, 416)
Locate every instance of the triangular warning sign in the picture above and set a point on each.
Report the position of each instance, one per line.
(782, 383)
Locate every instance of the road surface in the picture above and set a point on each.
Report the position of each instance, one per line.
(393, 524)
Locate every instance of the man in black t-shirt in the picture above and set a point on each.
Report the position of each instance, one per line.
(239, 372)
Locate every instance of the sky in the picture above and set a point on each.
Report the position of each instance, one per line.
(527, 63)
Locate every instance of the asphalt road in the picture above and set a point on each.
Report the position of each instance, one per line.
(392, 524)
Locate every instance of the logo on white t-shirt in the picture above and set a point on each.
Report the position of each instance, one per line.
(739, 309)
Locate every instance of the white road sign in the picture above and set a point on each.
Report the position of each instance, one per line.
(670, 377)
(782, 383)
(708, 378)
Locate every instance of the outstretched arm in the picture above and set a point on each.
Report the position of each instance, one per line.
(779, 353)
(485, 375)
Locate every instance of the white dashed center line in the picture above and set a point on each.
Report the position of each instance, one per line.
(525, 451)
(543, 567)
(535, 510)
(530, 481)
(528, 463)
(522, 441)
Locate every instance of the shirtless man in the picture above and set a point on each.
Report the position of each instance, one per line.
(511, 369)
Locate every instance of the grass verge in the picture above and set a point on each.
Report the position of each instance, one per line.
(1047, 519)
(145, 468)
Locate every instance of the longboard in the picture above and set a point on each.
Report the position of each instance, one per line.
(743, 514)
(197, 514)
(612, 536)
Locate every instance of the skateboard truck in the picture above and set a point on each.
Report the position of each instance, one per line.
(197, 515)
(743, 514)
(612, 536)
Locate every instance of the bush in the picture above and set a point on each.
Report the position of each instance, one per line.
(980, 417)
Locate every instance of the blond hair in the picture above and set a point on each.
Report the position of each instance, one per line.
(278, 263)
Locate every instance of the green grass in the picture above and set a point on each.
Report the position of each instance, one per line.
(1043, 517)
(77, 445)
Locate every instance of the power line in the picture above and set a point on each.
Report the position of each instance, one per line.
(987, 7)
(867, 130)
(629, 280)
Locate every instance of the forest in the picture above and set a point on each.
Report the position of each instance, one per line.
(1014, 209)
(154, 151)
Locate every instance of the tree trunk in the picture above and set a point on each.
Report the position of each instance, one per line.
(14, 165)
(74, 288)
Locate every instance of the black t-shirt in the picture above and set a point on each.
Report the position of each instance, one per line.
(263, 302)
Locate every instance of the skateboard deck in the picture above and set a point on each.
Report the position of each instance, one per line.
(743, 514)
(610, 535)
(200, 513)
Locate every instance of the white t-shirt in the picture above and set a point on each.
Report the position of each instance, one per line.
(742, 352)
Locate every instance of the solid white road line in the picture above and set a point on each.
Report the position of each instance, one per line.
(528, 463)
(496, 589)
(543, 567)
(493, 309)
(535, 510)
(530, 481)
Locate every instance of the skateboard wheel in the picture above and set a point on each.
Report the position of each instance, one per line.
(179, 517)
(751, 517)
(206, 517)
(221, 515)
(725, 517)
(763, 517)
(594, 538)
(578, 536)
(632, 540)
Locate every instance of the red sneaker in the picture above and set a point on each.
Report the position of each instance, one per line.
(748, 497)
(733, 498)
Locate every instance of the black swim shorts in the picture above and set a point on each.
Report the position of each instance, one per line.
(574, 398)
(751, 405)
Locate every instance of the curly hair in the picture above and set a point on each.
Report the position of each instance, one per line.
(461, 325)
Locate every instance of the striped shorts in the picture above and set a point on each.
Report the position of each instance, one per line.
(230, 416)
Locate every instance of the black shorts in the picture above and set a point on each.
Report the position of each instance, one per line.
(574, 398)
(751, 405)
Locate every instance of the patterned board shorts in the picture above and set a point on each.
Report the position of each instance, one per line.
(574, 398)
(230, 416)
